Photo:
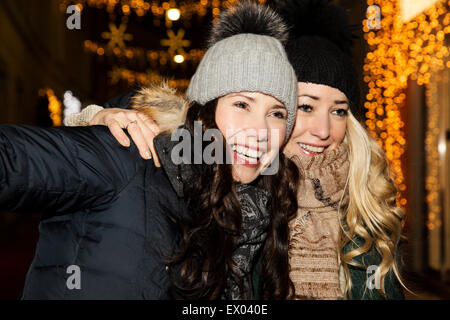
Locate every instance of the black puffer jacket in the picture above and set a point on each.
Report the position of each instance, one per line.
(105, 211)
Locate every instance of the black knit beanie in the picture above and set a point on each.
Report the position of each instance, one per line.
(319, 46)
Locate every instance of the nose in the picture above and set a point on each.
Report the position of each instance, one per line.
(259, 128)
(319, 126)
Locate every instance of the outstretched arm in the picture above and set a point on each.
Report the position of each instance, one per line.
(62, 169)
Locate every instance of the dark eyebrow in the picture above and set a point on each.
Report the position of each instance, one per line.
(317, 98)
(277, 106)
(309, 96)
(242, 95)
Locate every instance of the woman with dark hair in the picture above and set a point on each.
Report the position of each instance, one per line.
(118, 227)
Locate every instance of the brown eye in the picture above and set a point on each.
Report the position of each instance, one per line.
(241, 105)
(341, 112)
(305, 108)
(279, 115)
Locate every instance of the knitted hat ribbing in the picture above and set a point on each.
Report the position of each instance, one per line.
(246, 62)
(324, 63)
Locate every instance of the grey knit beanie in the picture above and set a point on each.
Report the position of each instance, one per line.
(246, 62)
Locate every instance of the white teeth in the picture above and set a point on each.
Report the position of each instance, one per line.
(250, 153)
(311, 148)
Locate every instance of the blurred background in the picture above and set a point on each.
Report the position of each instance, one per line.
(58, 56)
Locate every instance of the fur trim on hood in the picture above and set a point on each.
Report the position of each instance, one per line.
(161, 103)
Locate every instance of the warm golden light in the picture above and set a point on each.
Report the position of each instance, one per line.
(432, 156)
(193, 55)
(173, 14)
(400, 51)
(54, 106)
(178, 58)
(133, 78)
(155, 8)
(410, 9)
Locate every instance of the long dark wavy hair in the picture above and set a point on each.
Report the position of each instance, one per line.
(209, 234)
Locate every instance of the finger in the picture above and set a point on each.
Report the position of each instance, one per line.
(126, 116)
(148, 133)
(135, 131)
(154, 153)
(267, 160)
(117, 131)
(150, 123)
(155, 156)
(150, 130)
(123, 117)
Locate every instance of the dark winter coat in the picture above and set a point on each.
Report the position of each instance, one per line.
(360, 276)
(105, 211)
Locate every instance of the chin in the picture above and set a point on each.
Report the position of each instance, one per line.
(244, 175)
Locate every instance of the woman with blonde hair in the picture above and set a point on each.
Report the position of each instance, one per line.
(348, 223)
(345, 238)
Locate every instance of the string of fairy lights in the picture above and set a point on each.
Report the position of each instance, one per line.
(159, 9)
(161, 12)
(432, 158)
(143, 79)
(400, 51)
(154, 57)
(116, 45)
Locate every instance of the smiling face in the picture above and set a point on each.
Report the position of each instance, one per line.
(254, 127)
(321, 120)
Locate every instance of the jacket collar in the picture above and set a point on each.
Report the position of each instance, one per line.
(177, 174)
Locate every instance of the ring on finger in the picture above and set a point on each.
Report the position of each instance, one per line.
(131, 122)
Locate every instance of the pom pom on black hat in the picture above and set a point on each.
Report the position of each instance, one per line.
(249, 17)
(320, 18)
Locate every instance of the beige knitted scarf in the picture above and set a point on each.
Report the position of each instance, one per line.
(315, 231)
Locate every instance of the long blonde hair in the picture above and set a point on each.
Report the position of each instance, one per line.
(372, 214)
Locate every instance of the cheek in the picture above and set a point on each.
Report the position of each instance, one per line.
(299, 128)
(276, 135)
(297, 132)
(221, 125)
(225, 121)
(281, 136)
(338, 131)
